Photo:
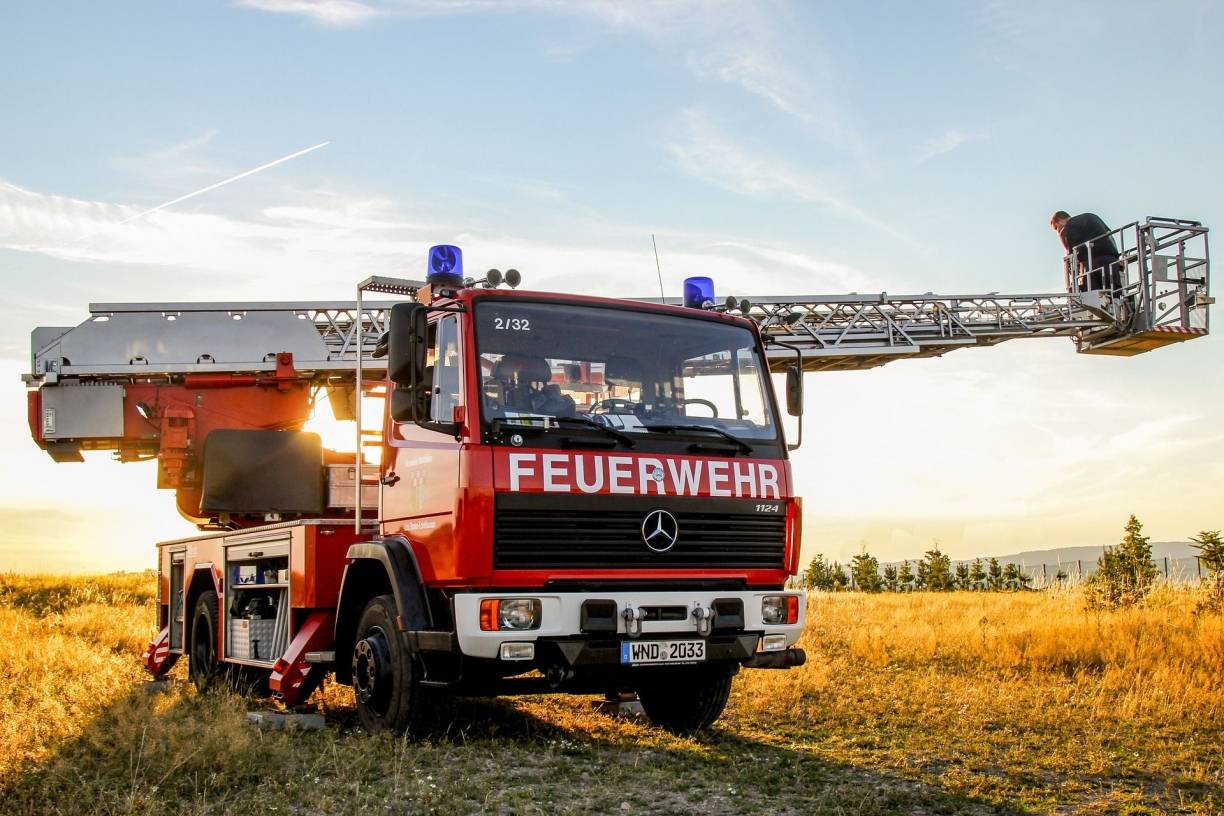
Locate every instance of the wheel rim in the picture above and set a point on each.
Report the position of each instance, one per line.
(372, 674)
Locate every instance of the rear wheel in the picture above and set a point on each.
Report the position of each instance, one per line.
(686, 700)
(204, 667)
(385, 675)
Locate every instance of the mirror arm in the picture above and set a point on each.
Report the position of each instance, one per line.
(799, 365)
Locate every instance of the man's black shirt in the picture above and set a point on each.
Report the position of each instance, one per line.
(1087, 227)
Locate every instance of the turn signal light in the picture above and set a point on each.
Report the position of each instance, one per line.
(488, 615)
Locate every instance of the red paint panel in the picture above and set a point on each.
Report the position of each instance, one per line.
(34, 416)
(794, 534)
(317, 555)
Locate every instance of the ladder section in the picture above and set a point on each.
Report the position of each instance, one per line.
(851, 332)
(1159, 295)
(152, 340)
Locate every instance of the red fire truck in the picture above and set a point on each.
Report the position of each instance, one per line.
(573, 494)
(562, 493)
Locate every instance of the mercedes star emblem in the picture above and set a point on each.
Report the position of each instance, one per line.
(660, 530)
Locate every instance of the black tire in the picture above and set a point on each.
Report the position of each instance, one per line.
(204, 667)
(686, 700)
(385, 674)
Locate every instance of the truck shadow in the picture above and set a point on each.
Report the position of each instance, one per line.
(186, 752)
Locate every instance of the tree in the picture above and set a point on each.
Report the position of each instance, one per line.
(866, 571)
(890, 577)
(962, 575)
(905, 577)
(819, 574)
(935, 570)
(1011, 576)
(1211, 557)
(840, 579)
(994, 574)
(977, 574)
(1125, 573)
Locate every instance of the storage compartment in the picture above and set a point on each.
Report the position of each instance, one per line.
(255, 639)
(257, 601)
(342, 487)
(176, 600)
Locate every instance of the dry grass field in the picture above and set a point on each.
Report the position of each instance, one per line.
(925, 703)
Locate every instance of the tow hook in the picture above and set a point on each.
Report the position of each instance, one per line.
(704, 618)
(633, 620)
(556, 674)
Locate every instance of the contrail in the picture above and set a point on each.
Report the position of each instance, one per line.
(211, 187)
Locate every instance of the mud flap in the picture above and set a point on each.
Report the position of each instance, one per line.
(293, 679)
(157, 657)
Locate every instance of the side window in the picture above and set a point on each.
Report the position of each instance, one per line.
(446, 360)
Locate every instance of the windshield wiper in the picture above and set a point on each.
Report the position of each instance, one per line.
(624, 439)
(500, 423)
(743, 446)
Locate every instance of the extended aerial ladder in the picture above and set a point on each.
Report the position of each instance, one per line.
(153, 380)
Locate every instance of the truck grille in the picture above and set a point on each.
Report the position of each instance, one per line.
(534, 531)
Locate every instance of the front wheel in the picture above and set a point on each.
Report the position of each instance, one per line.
(385, 676)
(686, 700)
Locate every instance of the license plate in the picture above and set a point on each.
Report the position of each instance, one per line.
(634, 652)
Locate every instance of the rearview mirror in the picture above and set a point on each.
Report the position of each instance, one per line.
(407, 342)
(794, 391)
(411, 403)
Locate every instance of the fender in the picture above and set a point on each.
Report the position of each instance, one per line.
(373, 568)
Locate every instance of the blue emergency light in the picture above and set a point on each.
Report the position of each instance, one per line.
(445, 266)
(699, 293)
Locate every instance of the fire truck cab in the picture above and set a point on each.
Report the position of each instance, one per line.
(577, 494)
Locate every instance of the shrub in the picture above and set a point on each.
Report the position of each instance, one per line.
(865, 569)
(1211, 557)
(1125, 573)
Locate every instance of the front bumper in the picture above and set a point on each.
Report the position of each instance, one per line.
(562, 624)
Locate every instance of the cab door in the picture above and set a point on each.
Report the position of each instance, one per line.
(420, 497)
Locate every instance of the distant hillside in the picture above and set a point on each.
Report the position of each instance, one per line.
(1089, 555)
(1175, 559)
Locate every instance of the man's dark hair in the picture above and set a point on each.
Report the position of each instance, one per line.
(1060, 214)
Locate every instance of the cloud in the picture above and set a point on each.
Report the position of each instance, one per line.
(1006, 438)
(330, 12)
(324, 241)
(946, 142)
(715, 159)
(745, 45)
(172, 164)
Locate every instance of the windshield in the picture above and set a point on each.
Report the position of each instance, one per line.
(630, 371)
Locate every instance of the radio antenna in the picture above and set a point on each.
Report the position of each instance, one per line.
(658, 268)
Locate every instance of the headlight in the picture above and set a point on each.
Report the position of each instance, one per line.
(777, 610)
(509, 613)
